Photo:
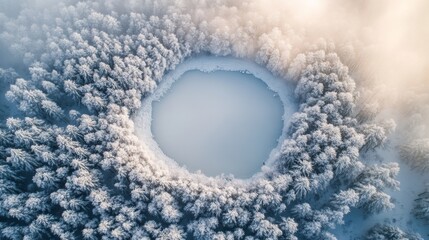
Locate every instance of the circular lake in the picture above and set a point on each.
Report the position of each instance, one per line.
(221, 122)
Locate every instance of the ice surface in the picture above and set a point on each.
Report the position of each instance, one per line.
(218, 115)
(218, 122)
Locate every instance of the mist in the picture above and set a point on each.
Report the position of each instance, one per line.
(384, 43)
(74, 76)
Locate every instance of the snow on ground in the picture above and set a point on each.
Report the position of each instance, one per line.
(412, 183)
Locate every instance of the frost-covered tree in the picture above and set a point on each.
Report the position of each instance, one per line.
(421, 208)
(416, 153)
(376, 135)
(387, 231)
(72, 168)
(371, 183)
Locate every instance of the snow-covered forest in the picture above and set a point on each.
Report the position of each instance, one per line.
(73, 75)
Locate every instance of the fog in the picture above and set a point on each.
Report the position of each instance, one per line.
(385, 40)
(384, 43)
(77, 121)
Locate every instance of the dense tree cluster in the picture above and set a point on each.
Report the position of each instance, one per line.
(72, 168)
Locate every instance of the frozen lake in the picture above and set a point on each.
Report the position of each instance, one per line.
(218, 122)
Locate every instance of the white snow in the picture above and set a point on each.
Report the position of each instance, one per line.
(253, 116)
(412, 183)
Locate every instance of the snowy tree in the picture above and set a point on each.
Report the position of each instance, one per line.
(346, 198)
(421, 207)
(203, 228)
(386, 231)
(173, 232)
(71, 88)
(370, 184)
(264, 228)
(20, 159)
(376, 135)
(416, 153)
(83, 175)
(302, 186)
(51, 108)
